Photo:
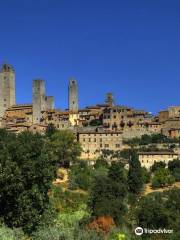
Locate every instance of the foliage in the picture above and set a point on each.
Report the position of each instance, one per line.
(65, 201)
(64, 226)
(50, 130)
(11, 234)
(176, 174)
(107, 196)
(65, 147)
(120, 234)
(102, 224)
(80, 176)
(174, 164)
(28, 166)
(174, 167)
(117, 173)
(100, 163)
(27, 169)
(151, 213)
(149, 139)
(146, 175)
(162, 177)
(157, 165)
(95, 122)
(135, 174)
(160, 210)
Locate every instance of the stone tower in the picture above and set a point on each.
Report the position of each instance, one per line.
(49, 102)
(39, 102)
(109, 99)
(73, 95)
(7, 88)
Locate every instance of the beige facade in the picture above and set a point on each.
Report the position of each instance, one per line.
(147, 159)
(123, 118)
(163, 116)
(174, 112)
(94, 142)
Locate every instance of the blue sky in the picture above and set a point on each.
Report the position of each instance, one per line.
(130, 47)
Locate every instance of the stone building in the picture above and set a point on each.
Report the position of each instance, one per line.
(174, 132)
(73, 95)
(94, 142)
(124, 118)
(163, 116)
(7, 88)
(174, 112)
(147, 159)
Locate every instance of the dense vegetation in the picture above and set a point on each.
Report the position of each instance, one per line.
(104, 201)
(152, 139)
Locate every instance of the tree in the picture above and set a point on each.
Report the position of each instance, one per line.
(160, 210)
(50, 130)
(151, 212)
(174, 167)
(176, 174)
(157, 165)
(80, 175)
(162, 177)
(117, 173)
(145, 175)
(27, 168)
(135, 175)
(65, 147)
(100, 163)
(173, 164)
(107, 198)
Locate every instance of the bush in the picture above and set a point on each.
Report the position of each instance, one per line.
(157, 165)
(161, 178)
(11, 234)
(176, 174)
(174, 164)
(80, 176)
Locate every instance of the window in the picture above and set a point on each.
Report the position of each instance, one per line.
(100, 139)
(84, 139)
(94, 139)
(106, 145)
(4, 105)
(101, 145)
(117, 145)
(89, 140)
(5, 99)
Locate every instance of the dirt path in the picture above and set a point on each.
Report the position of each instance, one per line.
(148, 188)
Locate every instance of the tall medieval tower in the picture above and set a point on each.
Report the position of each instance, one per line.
(7, 88)
(39, 103)
(73, 95)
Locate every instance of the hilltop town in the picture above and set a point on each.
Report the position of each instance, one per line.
(103, 126)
